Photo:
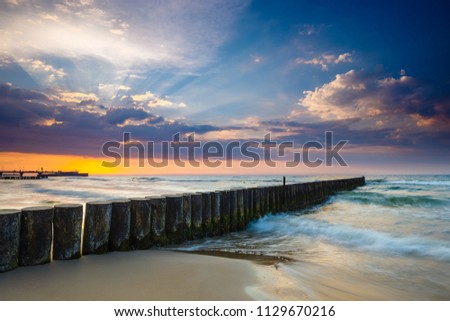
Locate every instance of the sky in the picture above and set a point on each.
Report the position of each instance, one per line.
(77, 74)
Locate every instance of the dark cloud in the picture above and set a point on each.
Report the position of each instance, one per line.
(7, 91)
(372, 95)
(31, 122)
(118, 116)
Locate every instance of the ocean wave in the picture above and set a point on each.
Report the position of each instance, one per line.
(391, 200)
(417, 182)
(145, 179)
(69, 193)
(358, 238)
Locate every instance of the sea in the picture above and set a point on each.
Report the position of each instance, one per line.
(387, 240)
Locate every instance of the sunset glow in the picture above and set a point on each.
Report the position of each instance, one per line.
(76, 74)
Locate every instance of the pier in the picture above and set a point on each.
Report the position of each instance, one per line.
(38, 235)
(39, 174)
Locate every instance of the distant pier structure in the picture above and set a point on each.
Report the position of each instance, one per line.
(15, 175)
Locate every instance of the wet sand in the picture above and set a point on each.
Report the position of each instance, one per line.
(140, 275)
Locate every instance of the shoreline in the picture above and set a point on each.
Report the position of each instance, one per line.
(150, 275)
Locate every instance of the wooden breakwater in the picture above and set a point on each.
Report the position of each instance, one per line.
(37, 235)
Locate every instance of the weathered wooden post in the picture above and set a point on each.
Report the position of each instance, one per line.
(9, 239)
(303, 196)
(250, 208)
(197, 216)
(35, 235)
(119, 235)
(234, 216)
(263, 199)
(256, 202)
(97, 223)
(140, 223)
(240, 209)
(158, 224)
(225, 218)
(187, 217)
(245, 195)
(206, 214)
(278, 198)
(272, 201)
(215, 213)
(174, 218)
(67, 221)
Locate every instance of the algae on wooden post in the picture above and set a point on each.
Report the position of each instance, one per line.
(174, 219)
(97, 223)
(67, 231)
(197, 216)
(206, 214)
(140, 223)
(158, 224)
(36, 235)
(9, 239)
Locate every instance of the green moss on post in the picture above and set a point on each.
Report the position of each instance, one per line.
(9, 239)
(234, 215)
(207, 215)
(97, 223)
(140, 224)
(119, 236)
(256, 202)
(67, 223)
(240, 209)
(174, 219)
(35, 235)
(197, 216)
(215, 213)
(187, 217)
(250, 208)
(158, 225)
(225, 218)
(245, 193)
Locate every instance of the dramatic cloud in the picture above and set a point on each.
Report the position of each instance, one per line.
(376, 100)
(68, 123)
(44, 71)
(325, 60)
(149, 99)
(163, 33)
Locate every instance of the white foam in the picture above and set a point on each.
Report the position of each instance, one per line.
(359, 238)
(416, 182)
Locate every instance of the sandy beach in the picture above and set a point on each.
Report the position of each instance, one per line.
(139, 275)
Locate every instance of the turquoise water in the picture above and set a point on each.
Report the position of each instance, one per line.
(388, 240)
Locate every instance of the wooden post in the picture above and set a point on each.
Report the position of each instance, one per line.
(119, 236)
(174, 218)
(67, 223)
(140, 223)
(240, 209)
(215, 213)
(97, 223)
(256, 202)
(158, 225)
(9, 239)
(35, 235)
(187, 217)
(197, 216)
(250, 208)
(206, 214)
(264, 202)
(225, 218)
(245, 195)
(234, 216)
(271, 200)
